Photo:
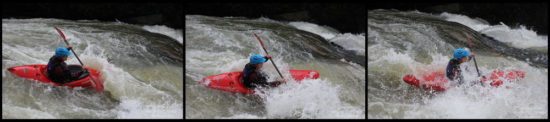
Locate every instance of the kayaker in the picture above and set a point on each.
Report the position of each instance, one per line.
(252, 75)
(57, 69)
(453, 68)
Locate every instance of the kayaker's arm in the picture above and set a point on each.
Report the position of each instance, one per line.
(277, 83)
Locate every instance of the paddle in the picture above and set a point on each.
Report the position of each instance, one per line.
(268, 53)
(96, 82)
(478, 74)
(470, 45)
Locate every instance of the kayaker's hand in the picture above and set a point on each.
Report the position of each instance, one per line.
(268, 56)
(472, 54)
(69, 47)
(283, 81)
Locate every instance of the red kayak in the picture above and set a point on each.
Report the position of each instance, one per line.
(437, 81)
(231, 81)
(38, 72)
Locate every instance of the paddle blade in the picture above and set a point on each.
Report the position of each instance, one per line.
(97, 84)
(259, 39)
(60, 33)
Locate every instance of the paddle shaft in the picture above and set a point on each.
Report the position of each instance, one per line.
(470, 45)
(475, 62)
(268, 54)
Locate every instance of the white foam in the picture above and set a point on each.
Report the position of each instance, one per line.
(153, 97)
(137, 109)
(348, 41)
(390, 57)
(517, 37)
(351, 42)
(523, 99)
(16, 112)
(161, 29)
(214, 63)
(243, 116)
(323, 31)
(314, 98)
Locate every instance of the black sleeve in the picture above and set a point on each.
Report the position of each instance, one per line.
(450, 70)
(275, 83)
(262, 80)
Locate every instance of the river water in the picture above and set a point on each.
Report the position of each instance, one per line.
(402, 42)
(215, 45)
(141, 69)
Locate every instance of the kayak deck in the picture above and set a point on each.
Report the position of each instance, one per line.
(37, 72)
(437, 81)
(231, 82)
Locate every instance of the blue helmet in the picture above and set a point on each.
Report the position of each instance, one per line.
(62, 51)
(459, 53)
(256, 59)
